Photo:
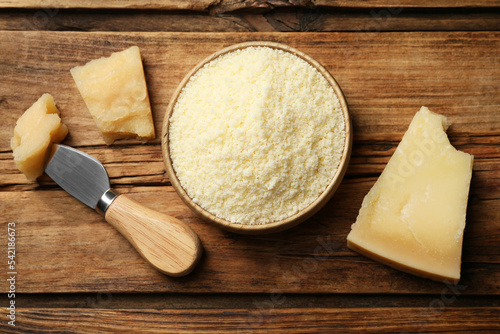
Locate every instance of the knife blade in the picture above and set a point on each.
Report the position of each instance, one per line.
(167, 243)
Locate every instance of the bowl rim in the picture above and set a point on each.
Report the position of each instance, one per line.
(301, 215)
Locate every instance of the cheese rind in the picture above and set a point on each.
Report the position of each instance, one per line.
(413, 218)
(35, 131)
(114, 90)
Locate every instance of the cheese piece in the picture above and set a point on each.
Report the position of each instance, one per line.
(413, 218)
(35, 131)
(114, 90)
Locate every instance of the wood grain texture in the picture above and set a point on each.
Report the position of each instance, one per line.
(224, 6)
(386, 77)
(285, 20)
(194, 5)
(268, 319)
(167, 243)
(310, 258)
(375, 20)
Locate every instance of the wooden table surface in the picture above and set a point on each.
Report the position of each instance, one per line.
(75, 274)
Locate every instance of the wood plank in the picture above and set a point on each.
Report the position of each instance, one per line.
(126, 165)
(118, 20)
(285, 20)
(144, 163)
(362, 63)
(386, 77)
(268, 319)
(375, 20)
(225, 6)
(59, 240)
(194, 5)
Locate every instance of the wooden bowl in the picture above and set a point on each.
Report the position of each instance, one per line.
(276, 225)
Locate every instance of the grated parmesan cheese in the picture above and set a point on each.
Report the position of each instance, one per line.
(256, 135)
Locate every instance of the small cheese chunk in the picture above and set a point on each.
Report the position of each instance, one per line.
(114, 90)
(414, 216)
(35, 131)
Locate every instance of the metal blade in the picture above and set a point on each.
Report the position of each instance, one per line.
(80, 174)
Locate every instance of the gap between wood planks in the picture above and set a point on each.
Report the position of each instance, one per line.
(110, 300)
(276, 20)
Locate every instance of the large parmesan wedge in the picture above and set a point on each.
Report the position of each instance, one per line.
(35, 131)
(413, 218)
(114, 90)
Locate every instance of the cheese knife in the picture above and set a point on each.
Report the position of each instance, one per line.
(167, 243)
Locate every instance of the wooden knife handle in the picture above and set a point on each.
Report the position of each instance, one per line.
(165, 242)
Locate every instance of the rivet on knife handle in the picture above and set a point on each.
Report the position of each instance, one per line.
(167, 243)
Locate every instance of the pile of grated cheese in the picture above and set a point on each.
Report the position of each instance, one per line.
(256, 135)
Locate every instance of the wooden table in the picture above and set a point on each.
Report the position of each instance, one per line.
(75, 273)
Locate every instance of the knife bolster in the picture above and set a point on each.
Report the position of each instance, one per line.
(105, 201)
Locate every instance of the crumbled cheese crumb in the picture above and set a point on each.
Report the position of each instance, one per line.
(256, 135)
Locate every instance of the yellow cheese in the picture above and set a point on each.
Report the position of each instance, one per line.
(414, 216)
(35, 131)
(114, 90)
